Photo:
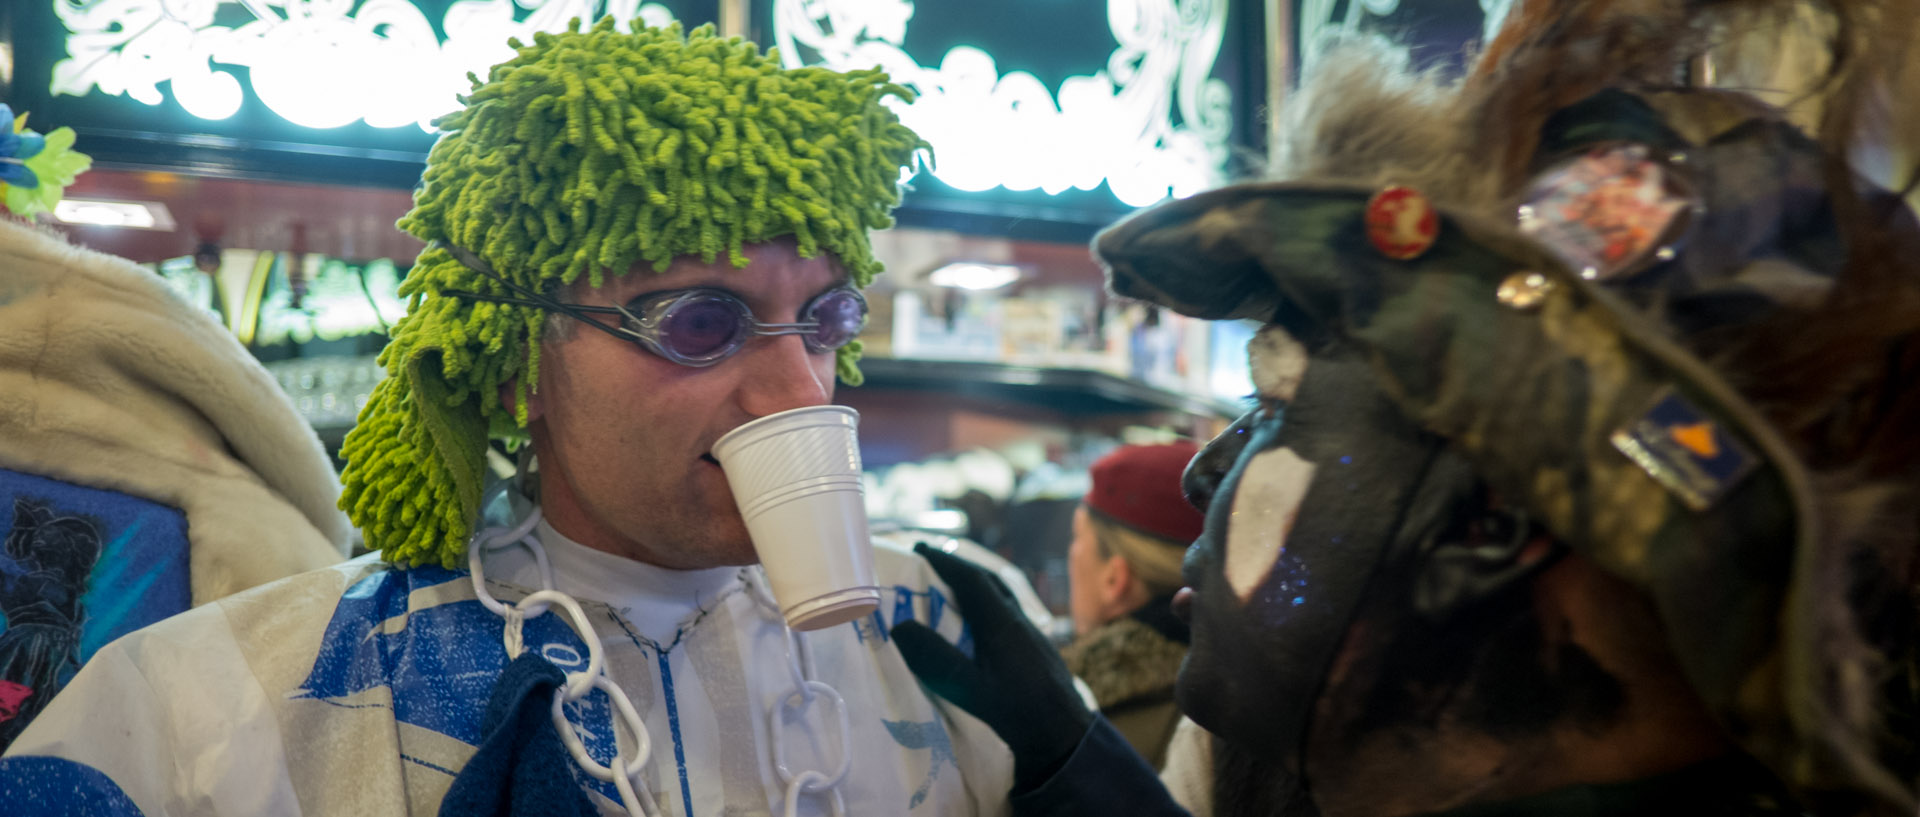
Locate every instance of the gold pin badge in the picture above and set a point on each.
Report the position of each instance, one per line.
(1524, 290)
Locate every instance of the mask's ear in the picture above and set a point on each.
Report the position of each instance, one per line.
(1487, 550)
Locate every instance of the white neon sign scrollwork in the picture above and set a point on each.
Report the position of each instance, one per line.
(1320, 21)
(993, 130)
(315, 63)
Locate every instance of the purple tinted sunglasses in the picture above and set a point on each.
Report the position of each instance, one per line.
(691, 327)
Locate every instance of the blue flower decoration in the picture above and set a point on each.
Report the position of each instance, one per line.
(16, 149)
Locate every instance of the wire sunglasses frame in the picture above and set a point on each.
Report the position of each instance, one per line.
(645, 329)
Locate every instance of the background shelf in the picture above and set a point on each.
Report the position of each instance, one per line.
(1069, 391)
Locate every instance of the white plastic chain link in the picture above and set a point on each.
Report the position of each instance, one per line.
(626, 769)
(805, 692)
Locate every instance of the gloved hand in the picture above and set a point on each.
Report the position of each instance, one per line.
(1015, 682)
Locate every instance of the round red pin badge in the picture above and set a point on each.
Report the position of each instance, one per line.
(1401, 222)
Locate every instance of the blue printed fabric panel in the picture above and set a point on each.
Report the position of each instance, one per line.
(80, 567)
(55, 787)
(876, 627)
(441, 660)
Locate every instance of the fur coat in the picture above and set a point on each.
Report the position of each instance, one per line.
(1130, 667)
(109, 380)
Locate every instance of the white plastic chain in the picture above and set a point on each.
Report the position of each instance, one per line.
(801, 698)
(626, 770)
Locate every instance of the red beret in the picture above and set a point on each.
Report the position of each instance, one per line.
(1139, 486)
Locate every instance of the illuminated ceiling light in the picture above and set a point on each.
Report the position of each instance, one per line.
(942, 521)
(136, 215)
(969, 275)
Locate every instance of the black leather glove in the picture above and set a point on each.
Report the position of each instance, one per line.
(1015, 682)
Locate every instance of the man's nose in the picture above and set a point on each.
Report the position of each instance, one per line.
(1204, 473)
(782, 375)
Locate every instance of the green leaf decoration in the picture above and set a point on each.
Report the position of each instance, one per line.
(57, 165)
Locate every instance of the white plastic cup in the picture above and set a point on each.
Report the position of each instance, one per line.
(796, 479)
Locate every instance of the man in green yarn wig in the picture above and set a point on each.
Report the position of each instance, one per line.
(638, 242)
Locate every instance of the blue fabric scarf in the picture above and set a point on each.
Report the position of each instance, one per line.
(521, 768)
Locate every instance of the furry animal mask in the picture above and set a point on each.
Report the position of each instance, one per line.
(1726, 424)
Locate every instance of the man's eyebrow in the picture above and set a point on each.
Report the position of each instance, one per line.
(842, 280)
(649, 293)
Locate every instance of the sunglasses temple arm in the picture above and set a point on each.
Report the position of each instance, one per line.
(473, 262)
(529, 297)
(492, 299)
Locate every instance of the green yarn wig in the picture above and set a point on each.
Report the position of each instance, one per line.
(589, 154)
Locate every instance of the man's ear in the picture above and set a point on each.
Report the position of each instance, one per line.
(1499, 550)
(1116, 581)
(535, 406)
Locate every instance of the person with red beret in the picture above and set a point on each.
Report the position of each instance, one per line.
(1123, 568)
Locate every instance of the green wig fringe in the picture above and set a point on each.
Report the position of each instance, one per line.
(590, 153)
